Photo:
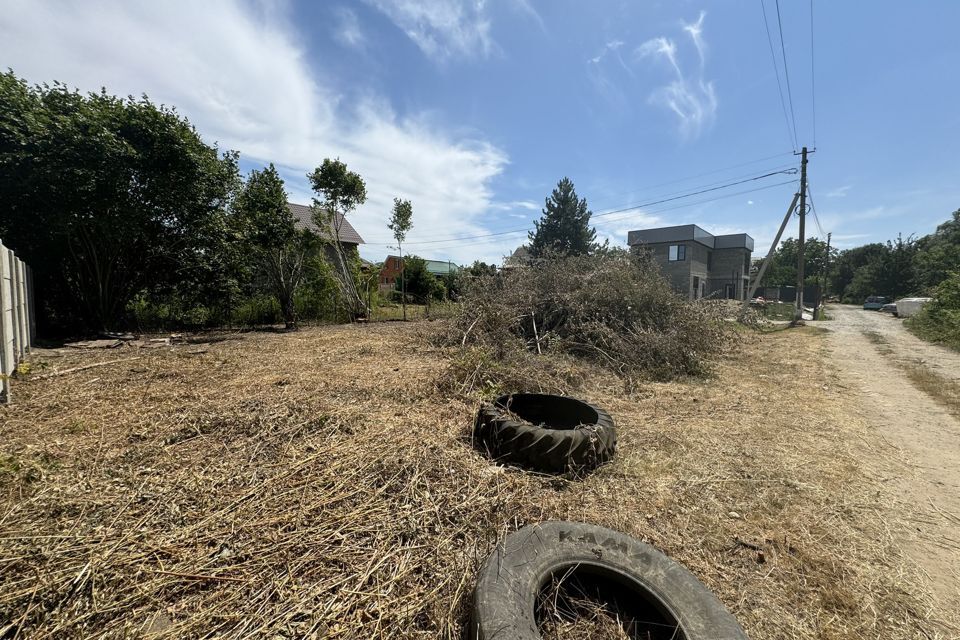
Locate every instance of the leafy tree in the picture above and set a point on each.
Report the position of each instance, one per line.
(847, 264)
(282, 251)
(938, 254)
(564, 226)
(478, 269)
(338, 192)
(783, 264)
(109, 197)
(400, 223)
(418, 282)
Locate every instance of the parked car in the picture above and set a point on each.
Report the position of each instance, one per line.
(874, 303)
(890, 307)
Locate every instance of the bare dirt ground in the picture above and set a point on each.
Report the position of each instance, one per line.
(875, 355)
(322, 484)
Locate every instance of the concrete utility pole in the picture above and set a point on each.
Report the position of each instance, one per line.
(798, 314)
(826, 268)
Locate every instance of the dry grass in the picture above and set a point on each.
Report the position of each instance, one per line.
(322, 483)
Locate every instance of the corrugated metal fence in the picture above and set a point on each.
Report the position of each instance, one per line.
(17, 323)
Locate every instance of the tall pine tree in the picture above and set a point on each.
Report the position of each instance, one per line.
(564, 228)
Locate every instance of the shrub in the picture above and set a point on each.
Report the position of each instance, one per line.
(939, 320)
(614, 309)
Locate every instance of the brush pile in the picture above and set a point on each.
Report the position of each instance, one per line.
(614, 309)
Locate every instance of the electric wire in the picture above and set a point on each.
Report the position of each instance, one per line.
(813, 80)
(603, 214)
(623, 216)
(786, 72)
(791, 134)
(813, 208)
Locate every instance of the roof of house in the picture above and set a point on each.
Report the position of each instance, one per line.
(303, 219)
(690, 232)
(436, 267)
(441, 267)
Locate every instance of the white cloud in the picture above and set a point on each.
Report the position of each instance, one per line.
(516, 204)
(442, 28)
(692, 99)
(348, 31)
(241, 78)
(839, 192)
(749, 201)
(695, 30)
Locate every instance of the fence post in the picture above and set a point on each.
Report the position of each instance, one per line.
(23, 319)
(7, 358)
(31, 306)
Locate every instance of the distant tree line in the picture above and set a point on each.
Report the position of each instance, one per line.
(928, 266)
(896, 268)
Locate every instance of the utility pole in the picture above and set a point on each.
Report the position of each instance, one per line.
(798, 314)
(826, 268)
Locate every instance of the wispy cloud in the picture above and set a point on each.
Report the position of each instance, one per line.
(242, 79)
(347, 30)
(839, 192)
(442, 29)
(516, 204)
(691, 97)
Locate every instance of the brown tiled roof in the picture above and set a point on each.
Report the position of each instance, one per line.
(303, 219)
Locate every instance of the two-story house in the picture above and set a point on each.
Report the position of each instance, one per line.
(698, 263)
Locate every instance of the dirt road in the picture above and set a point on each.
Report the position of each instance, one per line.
(905, 387)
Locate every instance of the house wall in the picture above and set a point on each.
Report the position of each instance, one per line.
(729, 266)
(680, 273)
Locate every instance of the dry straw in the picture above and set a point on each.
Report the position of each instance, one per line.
(322, 484)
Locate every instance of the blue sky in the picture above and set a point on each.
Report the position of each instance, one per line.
(474, 109)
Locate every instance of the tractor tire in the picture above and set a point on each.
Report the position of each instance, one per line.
(553, 434)
(655, 596)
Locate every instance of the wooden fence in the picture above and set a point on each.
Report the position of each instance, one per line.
(17, 320)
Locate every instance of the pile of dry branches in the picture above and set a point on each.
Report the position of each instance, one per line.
(614, 309)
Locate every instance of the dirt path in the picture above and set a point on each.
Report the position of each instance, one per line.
(880, 361)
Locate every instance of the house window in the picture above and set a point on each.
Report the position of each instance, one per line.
(709, 260)
(677, 252)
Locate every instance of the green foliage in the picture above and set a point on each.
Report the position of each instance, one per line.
(338, 192)
(420, 285)
(564, 228)
(938, 254)
(939, 321)
(401, 221)
(282, 253)
(783, 265)
(479, 269)
(106, 197)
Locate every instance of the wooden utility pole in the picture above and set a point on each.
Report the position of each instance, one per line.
(798, 314)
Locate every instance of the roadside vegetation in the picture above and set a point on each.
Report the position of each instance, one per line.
(939, 321)
(895, 269)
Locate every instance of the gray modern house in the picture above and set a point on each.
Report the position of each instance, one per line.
(698, 263)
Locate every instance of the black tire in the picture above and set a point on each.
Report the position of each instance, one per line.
(667, 600)
(559, 433)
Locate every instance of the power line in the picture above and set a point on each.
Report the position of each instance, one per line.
(714, 171)
(490, 238)
(813, 208)
(776, 73)
(606, 213)
(786, 71)
(813, 80)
